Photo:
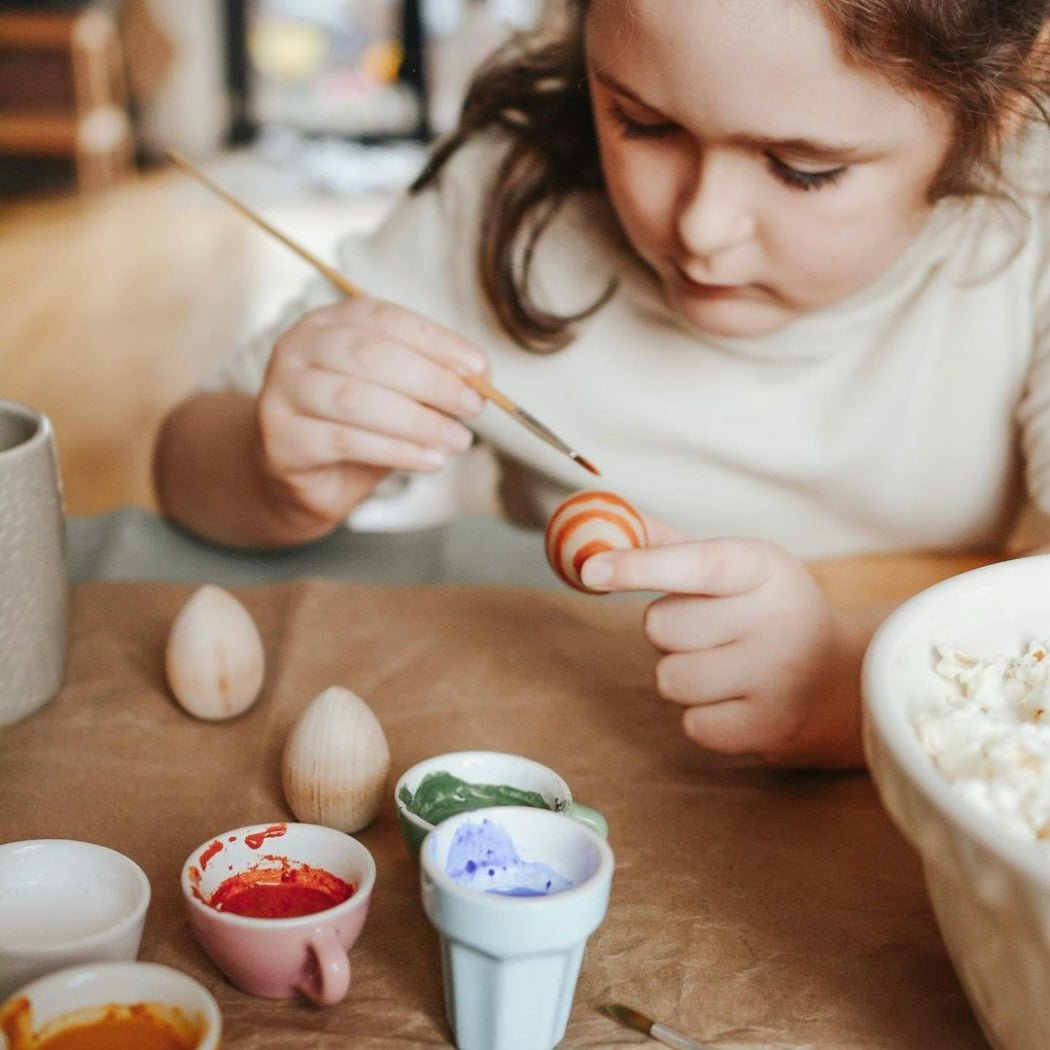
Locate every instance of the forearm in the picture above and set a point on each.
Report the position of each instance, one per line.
(209, 478)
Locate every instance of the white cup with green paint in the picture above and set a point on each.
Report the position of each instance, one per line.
(461, 781)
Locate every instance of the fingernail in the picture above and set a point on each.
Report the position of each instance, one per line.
(471, 401)
(456, 438)
(433, 457)
(472, 360)
(596, 571)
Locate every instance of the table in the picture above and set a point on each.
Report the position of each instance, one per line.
(784, 904)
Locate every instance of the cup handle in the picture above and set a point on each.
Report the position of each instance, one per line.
(331, 982)
(591, 817)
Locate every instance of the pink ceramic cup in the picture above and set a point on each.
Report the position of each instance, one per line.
(276, 958)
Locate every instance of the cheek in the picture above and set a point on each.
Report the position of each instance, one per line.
(841, 247)
(641, 193)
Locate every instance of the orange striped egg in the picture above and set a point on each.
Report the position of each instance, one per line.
(585, 524)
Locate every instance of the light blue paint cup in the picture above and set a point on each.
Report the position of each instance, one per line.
(510, 962)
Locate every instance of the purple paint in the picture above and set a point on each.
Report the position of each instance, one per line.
(482, 857)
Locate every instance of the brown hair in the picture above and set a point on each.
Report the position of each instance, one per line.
(980, 60)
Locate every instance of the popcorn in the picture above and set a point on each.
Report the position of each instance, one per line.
(988, 733)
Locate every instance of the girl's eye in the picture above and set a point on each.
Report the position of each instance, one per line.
(636, 129)
(805, 180)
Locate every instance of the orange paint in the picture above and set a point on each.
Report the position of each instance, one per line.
(581, 512)
(134, 1026)
(280, 893)
(585, 517)
(255, 840)
(592, 494)
(587, 551)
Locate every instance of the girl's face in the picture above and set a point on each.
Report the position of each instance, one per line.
(755, 172)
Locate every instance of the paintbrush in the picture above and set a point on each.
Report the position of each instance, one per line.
(479, 383)
(640, 1023)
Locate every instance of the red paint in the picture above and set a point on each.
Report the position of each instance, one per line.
(210, 852)
(280, 893)
(274, 831)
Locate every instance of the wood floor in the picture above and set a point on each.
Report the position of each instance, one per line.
(111, 308)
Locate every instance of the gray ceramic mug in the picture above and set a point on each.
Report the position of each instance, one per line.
(34, 588)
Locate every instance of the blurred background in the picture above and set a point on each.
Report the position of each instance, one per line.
(121, 278)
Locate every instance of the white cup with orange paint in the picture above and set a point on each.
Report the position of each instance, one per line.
(118, 1005)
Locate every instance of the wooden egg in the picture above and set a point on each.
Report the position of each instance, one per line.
(585, 524)
(214, 658)
(335, 762)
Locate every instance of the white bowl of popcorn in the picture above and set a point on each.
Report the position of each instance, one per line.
(956, 688)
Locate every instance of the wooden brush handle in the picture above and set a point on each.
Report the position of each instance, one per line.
(349, 289)
(330, 273)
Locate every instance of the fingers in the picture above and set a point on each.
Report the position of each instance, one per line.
(296, 444)
(726, 727)
(681, 623)
(370, 407)
(716, 689)
(718, 568)
(400, 325)
(706, 676)
(353, 355)
(367, 382)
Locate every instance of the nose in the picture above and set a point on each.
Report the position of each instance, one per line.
(714, 211)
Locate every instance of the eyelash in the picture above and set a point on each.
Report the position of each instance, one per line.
(805, 181)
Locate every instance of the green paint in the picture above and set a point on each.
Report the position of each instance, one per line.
(441, 795)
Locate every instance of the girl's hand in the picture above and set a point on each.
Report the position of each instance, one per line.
(753, 651)
(354, 391)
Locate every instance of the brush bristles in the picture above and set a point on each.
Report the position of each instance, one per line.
(586, 464)
(632, 1018)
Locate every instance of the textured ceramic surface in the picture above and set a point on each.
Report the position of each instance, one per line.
(100, 984)
(278, 958)
(34, 590)
(990, 888)
(63, 902)
(490, 767)
(510, 963)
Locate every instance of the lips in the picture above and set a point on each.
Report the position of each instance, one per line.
(703, 288)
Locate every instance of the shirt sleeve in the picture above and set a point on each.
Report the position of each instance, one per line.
(243, 370)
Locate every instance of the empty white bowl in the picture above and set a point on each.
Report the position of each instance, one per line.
(92, 987)
(64, 902)
(989, 886)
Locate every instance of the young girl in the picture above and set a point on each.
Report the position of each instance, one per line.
(793, 257)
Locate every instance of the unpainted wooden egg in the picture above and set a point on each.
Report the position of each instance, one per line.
(336, 761)
(214, 658)
(585, 524)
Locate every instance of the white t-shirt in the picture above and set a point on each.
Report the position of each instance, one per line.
(907, 417)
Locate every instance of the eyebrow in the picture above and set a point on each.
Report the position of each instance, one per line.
(814, 148)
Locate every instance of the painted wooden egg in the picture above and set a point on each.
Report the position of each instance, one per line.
(585, 524)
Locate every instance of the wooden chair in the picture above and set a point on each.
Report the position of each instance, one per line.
(63, 91)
